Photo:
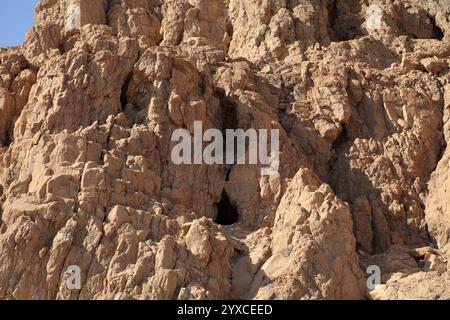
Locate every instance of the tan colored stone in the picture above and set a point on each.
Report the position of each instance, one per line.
(359, 91)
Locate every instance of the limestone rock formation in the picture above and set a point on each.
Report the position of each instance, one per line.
(359, 92)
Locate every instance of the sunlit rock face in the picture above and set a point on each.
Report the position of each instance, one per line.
(358, 91)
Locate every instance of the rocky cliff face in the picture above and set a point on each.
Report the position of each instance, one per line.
(359, 91)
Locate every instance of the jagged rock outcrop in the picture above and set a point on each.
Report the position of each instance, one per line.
(360, 94)
(312, 248)
(418, 286)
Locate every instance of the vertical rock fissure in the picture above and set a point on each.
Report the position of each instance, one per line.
(227, 213)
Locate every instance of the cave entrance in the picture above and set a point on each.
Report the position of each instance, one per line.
(226, 212)
(438, 32)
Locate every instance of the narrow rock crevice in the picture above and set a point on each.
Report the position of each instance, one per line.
(332, 14)
(227, 212)
(123, 94)
(229, 118)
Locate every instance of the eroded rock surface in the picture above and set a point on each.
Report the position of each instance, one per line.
(360, 94)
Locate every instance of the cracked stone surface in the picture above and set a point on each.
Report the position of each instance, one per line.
(359, 91)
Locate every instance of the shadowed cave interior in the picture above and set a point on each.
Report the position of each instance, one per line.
(226, 212)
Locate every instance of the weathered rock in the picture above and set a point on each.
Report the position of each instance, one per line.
(418, 286)
(360, 94)
(312, 247)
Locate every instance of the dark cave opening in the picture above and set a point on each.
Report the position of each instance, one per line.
(124, 93)
(7, 134)
(437, 31)
(332, 14)
(344, 21)
(226, 212)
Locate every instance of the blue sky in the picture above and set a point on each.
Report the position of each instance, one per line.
(16, 17)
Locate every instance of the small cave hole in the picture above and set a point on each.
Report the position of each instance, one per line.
(226, 212)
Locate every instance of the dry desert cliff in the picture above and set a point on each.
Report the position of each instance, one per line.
(358, 89)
